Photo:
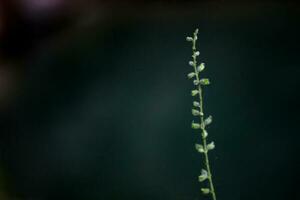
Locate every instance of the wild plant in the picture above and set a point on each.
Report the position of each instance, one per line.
(202, 122)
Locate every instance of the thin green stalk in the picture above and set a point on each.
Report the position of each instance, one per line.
(199, 111)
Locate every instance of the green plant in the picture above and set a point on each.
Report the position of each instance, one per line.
(204, 121)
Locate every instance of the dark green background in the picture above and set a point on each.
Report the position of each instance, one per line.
(105, 112)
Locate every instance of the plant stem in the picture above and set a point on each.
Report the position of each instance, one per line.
(207, 165)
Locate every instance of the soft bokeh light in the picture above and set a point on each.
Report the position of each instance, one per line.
(41, 6)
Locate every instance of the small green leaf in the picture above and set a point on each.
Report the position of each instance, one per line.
(191, 75)
(195, 112)
(205, 190)
(208, 120)
(203, 176)
(204, 134)
(199, 148)
(210, 146)
(195, 125)
(196, 104)
(196, 82)
(189, 39)
(201, 67)
(194, 92)
(204, 81)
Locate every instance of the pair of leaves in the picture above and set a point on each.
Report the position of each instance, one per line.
(203, 176)
(206, 122)
(201, 67)
(201, 149)
(203, 81)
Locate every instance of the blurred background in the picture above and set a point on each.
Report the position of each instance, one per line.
(95, 103)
